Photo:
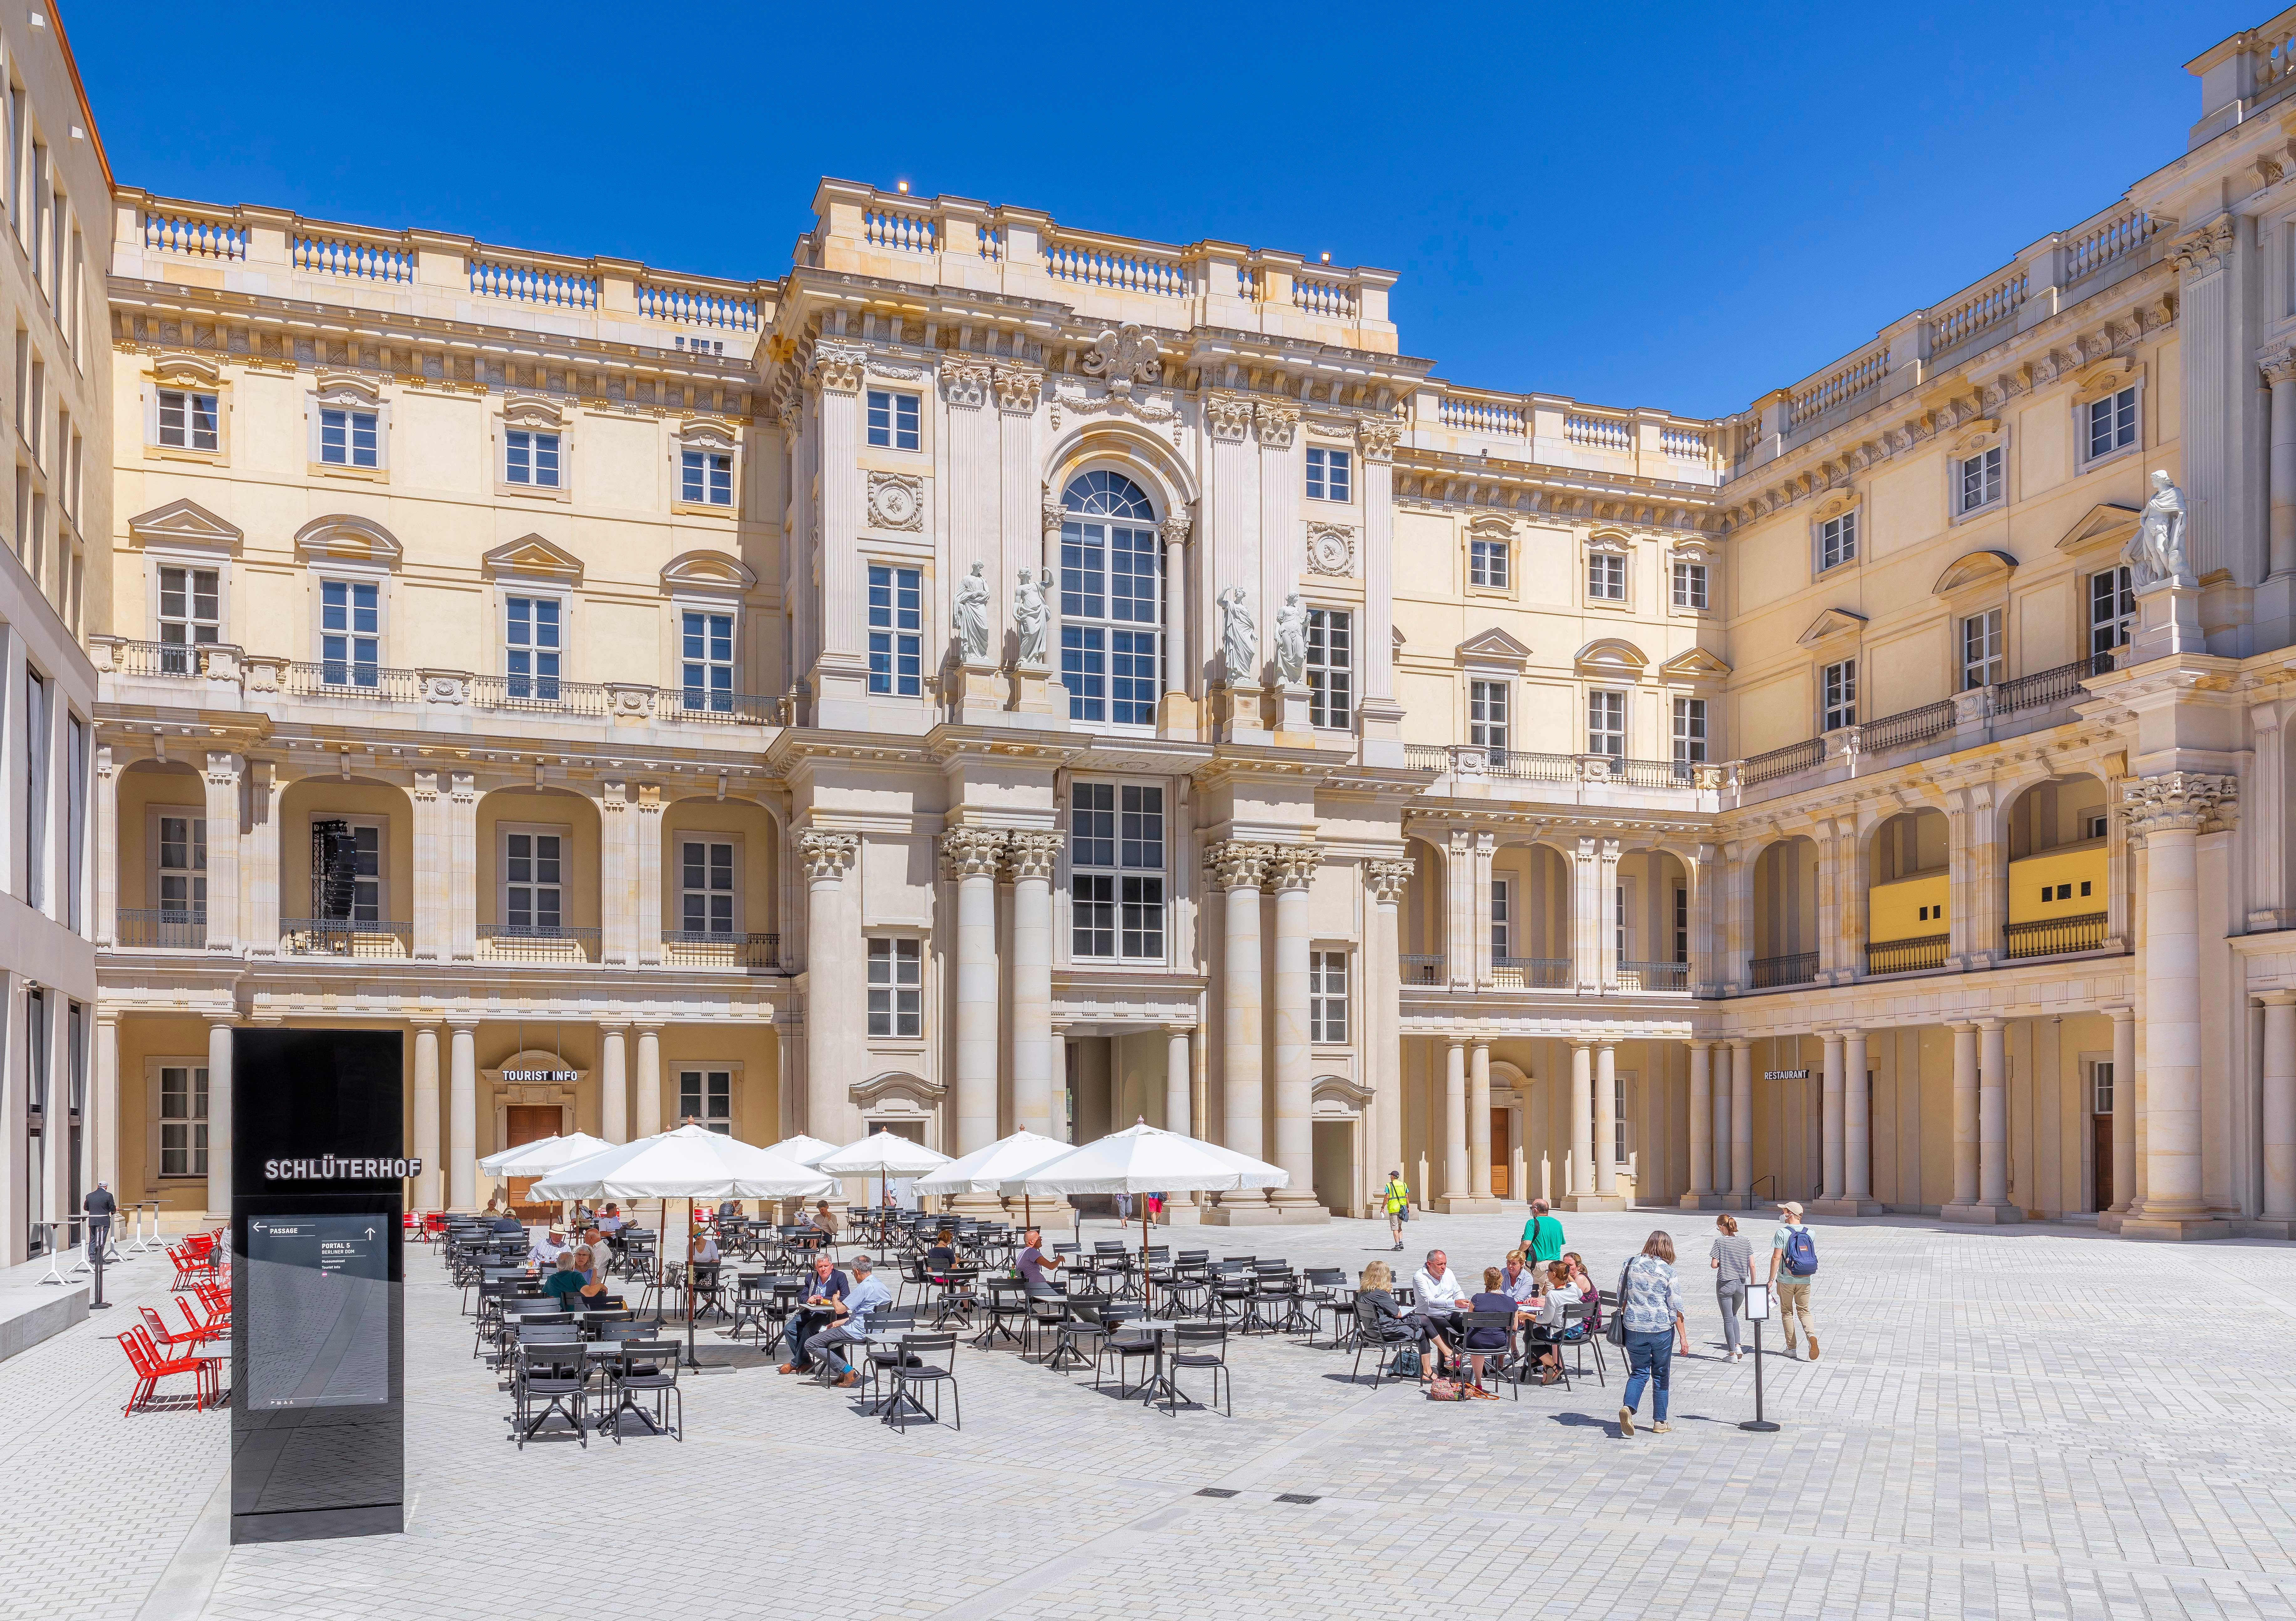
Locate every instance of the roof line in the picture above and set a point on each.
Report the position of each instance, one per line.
(87, 111)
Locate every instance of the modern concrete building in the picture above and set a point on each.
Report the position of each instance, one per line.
(986, 673)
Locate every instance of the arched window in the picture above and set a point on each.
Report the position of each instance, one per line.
(1110, 605)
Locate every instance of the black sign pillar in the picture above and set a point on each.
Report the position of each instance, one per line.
(317, 1412)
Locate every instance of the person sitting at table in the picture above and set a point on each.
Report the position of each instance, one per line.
(1376, 1291)
(704, 1247)
(942, 1256)
(610, 1223)
(1588, 1291)
(1547, 1328)
(566, 1284)
(824, 1290)
(849, 1324)
(1033, 1263)
(589, 1260)
(822, 1221)
(1519, 1281)
(546, 1250)
(1480, 1343)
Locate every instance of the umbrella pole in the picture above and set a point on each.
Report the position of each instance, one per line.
(692, 1361)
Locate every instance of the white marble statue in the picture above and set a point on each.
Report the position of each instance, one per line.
(1032, 615)
(970, 616)
(1239, 638)
(2155, 553)
(1291, 640)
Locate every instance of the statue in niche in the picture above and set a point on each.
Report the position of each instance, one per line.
(970, 616)
(1032, 615)
(2155, 553)
(1291, 640)
(1239, 638)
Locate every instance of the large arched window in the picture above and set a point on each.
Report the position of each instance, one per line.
(1110, 613)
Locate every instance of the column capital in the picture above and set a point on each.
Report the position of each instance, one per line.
(222, 1021)
(1455, 1043)
(2278, 365)
(461, 1024)
(2276, 999)
(613, 1027)
(1386, 880)
(1991, 1023)
(1030, 854)
(1960, 1024)
(2121, 1015)
(1235, 863)
(971, 852)
(653, 1027)
(1741, 1042)
(2176, 801)
(1292, 867)
(827, 855)
(1700, 1043)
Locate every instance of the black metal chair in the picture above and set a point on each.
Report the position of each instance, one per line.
(1080, 1334)
(908, 1374)
(1499, 1359)
(753, 1306)
(646, 1367)
(1008, 1302)
(1581, 1315)
(1380, 1334)
(545, 1375)
(1201, 1344)
(1124, 1344)
(901, 1321)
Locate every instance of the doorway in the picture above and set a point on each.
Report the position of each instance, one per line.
(2101, 1137)
(1502, 1157)
(525, 1123)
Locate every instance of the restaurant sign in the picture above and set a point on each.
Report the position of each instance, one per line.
(1785, 1074)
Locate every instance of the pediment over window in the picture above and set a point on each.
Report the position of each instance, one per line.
(345, 538)
(716, 573)
(1493, 646)
(1612, 656)
(1832, 622)
(1980, 568)
(895, 1087)
(1336, 1097)
(705, 433)
(2107, 521)
(533, 411)
(188, 370)
(1694, 664)
(532, 557)
(1394, 635)
(184, 523)
(347, 388)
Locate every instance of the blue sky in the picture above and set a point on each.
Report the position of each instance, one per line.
(1683, 207)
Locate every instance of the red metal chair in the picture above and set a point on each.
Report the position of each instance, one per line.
(218, 1325)
(150, 1367)
(213, 1297)
(172, 1341)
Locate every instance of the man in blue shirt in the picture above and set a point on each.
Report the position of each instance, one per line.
(822, 1291)
(851, 1326)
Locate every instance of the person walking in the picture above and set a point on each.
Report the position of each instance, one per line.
(1652, 1307)
(100, 1207)
(1794, 1253)
(1732, 1261)
(1398, 1199)
(1542, 1236)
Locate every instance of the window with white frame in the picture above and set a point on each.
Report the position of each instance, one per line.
(897, 978)
(1487, 717)
(534, 879)
(346, 876)
(182, 1119)
(1619, 1120)
(191, 615)
(1116, 871)
(1681, 923)
(1328, 473)
(2100, 1080)
(1689, 730)
(1837, 541)
(1502, 919)
(182, 869)
(1327, 995)
(2111, 609)
(1606, 723)
(706, 478)
(706, 1097)
(533, 642)
(705, 887)
(187, 420)
(1978, 480)
(896, 630)
(893, 418)
(1110, 605)
(531, 458)
(1622, 910)
(348, 437)
(1487, 562)
(1838, 695)
(1980, 650)
(1330, 673)
(1689, 584)
(1606, 576)
(2110, 423)
(351, 633)
(706, 660)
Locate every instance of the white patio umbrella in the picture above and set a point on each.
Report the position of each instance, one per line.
(1143, 1159)
(987, 1170)
(801, 1148)
(881, 1154)
(492, 1164)
(545, 1156)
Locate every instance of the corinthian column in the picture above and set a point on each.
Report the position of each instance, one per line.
(1028, 860)
(835, 993)
(1380, 1046)
(1235, 870)
(1291, 869)
(970, 857)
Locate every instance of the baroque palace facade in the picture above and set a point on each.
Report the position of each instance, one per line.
(996, 674)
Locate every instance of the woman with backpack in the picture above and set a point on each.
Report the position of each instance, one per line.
(1793, 1254)
(1649, 1309)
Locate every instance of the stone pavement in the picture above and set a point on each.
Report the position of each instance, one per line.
(2035, 1421)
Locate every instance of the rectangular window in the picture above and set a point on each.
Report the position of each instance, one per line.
(1690, 585)
(706, 478)
(532, 644)
(534, 894)
(1502, 919)
(347, 870)
(896, 630)
(37, 727)
(896, 987)
(188, 421)
(1618, 1121)
(1837, 541)
(2111, 610)
(1606, 576)
(1328, 474)
(1330, 681)
(2100, 1077)
(1621, 910)
(1327, 995)
(706, 886)
(893, 418)
(706, 660)
(76, 824)
(183, 1120)
(1838, 688)
(706, 1098)
(2111, 423)
(1487, 717)
(1980, 650)
(1981, 479)
(191, 615)
(350, 626)
(1487, 563)
(183, 867)
(347, 439)
(1681, 923)
(1606, 723)
(1116, 871)
(1689, 730)
(531, 458)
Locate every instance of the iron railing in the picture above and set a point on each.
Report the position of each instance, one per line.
(1420, 970)
(2048, 687)
(1906, 730)
(538, 942)
(344, 938)
(2053, 936)
(1906, 956)
(1781, 762)
(339, 678)
(146, 928)
(1531, 973)
(1654, 976)
(174, 660)
(541, 694)
(692, 706)
(698, 948)
(1771, 973)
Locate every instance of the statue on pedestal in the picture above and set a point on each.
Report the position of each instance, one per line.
(1239, 638)
(2155, 553)
(1291, 640)
(1032, 616)
(970, 616)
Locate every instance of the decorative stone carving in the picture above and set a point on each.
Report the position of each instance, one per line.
(1018, 389)
(1277, 424)
(965, 383)
(1386, 880)
(1031, 616)
(897, 500)
(1377, 440)
(971, 852)
(1032, 855)
(1122, 357)
(1332, 548)
(899, 371)
(1229, 416)
(2203, 250)
(1239, 638)
(969, 618)
(631, 700)
(1235, 864)
(1291, 640)
(2156, 552)
(825, 854)
(2279, 366)
(1292, 867)
(2176, 801)
(837, 366)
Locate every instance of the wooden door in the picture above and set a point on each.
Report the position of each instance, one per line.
(1502, 1156)
(525, 1123)
(2101, 1129)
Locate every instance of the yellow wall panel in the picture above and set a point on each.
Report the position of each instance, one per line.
(1910, 909)
(2079, 870)
(1907, 507)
